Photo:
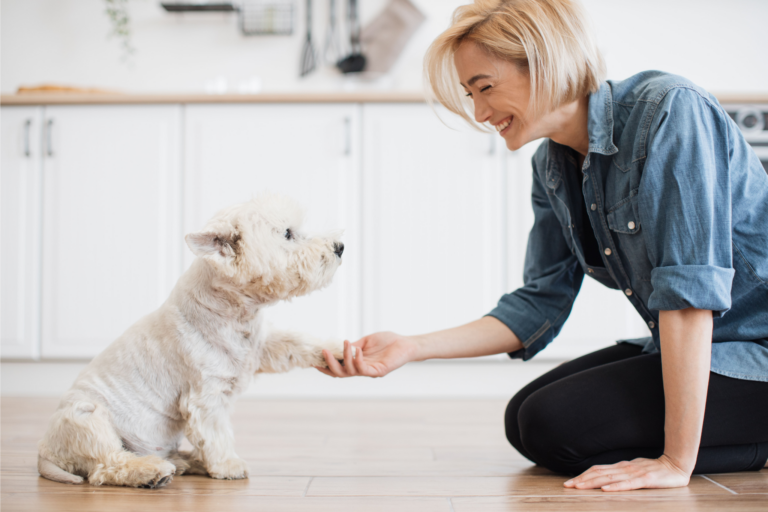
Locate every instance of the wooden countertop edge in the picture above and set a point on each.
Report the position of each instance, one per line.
(320, 97)
(129, 99)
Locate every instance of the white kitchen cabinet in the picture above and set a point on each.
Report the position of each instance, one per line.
(111, 222)
(306, 151)
(433, 203)
(20, 231)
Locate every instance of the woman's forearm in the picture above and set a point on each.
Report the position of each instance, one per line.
(686, 350)
(483, 337)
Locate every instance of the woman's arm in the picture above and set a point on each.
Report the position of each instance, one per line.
(686, 348)
(378, 354)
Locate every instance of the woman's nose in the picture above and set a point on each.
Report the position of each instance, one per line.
(483, 111)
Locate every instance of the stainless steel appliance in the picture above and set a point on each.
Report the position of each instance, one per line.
(752, 120)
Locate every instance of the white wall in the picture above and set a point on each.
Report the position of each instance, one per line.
(720, 45)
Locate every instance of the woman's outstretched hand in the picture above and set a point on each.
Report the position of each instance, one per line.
(375, 356)
(636, 474)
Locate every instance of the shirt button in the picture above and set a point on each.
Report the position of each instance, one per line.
(594, 207)
(607, 252)
(651, 324)
(590, 271)
(631, 225)
(628, 292)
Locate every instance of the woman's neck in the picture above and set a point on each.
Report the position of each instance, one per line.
(569, 125)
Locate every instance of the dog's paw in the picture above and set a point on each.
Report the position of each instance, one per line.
(336, 347)
(158, 476)
(230, 469)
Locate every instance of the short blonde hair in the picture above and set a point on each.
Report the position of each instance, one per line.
(550, 39)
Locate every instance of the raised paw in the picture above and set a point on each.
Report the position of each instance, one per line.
(337, 350)
(230, 469)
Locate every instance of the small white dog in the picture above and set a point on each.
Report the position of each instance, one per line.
(177, 371)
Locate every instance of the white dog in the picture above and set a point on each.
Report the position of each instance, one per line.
(177, 371)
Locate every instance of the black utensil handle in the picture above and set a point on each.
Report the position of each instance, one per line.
(354, 26)
(309, 19)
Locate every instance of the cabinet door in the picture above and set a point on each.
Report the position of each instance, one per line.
(111, 229)
(309, 152)
(20, 232)
(433, 220)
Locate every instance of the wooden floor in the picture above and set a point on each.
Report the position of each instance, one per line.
(402, 456)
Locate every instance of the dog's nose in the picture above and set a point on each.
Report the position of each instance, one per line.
(338, 248)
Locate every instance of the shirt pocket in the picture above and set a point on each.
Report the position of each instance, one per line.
(624, 223)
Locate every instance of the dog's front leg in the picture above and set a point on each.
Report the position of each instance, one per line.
(284, 350)
(209, 431)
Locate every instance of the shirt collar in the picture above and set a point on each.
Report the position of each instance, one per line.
(600, 128)
(600, 121)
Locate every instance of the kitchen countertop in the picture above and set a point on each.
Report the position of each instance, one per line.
(293, 97)
(70, 98)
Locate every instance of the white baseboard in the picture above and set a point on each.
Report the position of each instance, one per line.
(431, 379)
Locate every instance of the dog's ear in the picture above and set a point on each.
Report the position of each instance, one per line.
(218, 243)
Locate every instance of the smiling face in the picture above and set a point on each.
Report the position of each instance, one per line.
(501, 93)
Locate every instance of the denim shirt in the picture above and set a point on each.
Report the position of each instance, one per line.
(678, 202)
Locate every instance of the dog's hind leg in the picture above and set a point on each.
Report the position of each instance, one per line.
(81, 442)
(186, 463)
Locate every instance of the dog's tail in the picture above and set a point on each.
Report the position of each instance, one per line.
(53, 472)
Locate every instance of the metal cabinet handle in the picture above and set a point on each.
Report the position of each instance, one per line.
(347, 136)
(27, 127)
(49, 137)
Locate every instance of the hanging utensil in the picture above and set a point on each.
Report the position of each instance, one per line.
(355, 61)
(308, 52)
(333, 45)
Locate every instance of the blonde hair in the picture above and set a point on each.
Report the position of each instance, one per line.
(550, 39)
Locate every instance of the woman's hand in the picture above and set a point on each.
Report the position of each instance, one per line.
(637, 474)
(375, 356)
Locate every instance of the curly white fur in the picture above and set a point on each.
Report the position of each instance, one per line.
(177, 371)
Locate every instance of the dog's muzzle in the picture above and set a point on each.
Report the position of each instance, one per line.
(338, 248)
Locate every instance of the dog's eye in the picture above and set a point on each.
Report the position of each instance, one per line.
(288, 234)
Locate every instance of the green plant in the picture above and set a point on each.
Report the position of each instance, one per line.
(117, 12)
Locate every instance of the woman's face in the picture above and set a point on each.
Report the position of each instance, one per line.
(501, 92)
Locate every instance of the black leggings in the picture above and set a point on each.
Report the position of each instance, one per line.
(608, 406)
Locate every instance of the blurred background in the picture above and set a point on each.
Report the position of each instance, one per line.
(126, 124)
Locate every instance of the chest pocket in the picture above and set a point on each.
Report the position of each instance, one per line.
(624, 223)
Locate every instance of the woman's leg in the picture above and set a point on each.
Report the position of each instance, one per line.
(598, 358)
(615, 411)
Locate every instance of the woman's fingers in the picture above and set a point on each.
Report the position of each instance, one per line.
(333, 364)
(349, 359)
(626, 485)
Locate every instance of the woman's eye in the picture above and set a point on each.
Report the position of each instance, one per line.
(288, 234)
(469, 94)
(485, 88)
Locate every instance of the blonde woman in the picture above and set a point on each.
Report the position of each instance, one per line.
(647, 186)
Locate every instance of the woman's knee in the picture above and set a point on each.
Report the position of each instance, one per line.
(544, 432)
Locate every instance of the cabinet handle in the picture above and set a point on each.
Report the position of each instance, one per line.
(347, 136)
(49, 137)
(27, 127)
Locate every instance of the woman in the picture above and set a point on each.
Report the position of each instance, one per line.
(647, 186)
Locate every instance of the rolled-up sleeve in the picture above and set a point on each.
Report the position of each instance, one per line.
(537, 311)
(685, 205)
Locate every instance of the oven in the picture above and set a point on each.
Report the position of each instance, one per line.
(752, 120)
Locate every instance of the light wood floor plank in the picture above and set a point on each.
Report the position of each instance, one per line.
(150, 502)
(549, 485)
(752, 482)
(615, 503)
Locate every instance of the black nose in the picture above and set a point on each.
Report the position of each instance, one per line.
(338, 248)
